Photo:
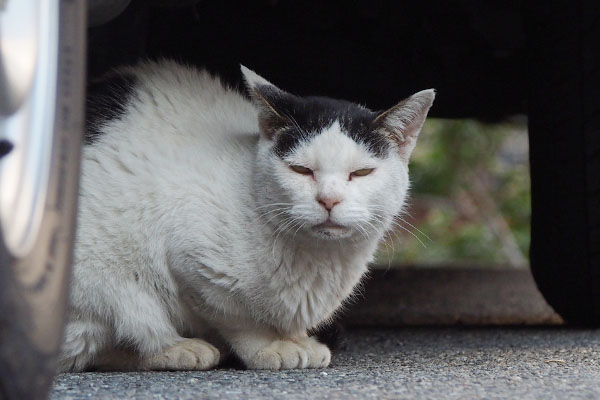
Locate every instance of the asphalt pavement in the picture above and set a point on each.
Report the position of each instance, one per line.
(404, 363)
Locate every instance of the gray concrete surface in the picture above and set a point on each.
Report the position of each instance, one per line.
(406, 363)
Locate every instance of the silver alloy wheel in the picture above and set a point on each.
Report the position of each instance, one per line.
(28, 60)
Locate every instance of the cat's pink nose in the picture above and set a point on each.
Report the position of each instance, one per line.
(328, 202)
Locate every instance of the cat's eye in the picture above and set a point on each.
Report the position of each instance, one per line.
(362, 172)
(301, 170)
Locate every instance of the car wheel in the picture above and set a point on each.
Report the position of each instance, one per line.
(41, 124)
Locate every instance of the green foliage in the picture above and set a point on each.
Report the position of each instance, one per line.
(470, 196)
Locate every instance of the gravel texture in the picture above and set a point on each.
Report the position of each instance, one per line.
(407, 363)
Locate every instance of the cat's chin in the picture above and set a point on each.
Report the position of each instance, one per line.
(331, 230)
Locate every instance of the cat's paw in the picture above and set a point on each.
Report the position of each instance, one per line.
(285, 354)
(280, 354)
(188, 354)
(319, 355)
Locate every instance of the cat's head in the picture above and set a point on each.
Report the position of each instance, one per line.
(331, 168)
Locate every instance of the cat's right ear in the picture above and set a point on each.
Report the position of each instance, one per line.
(268, 98)
(403, 122)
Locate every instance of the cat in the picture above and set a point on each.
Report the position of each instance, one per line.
(213, 222)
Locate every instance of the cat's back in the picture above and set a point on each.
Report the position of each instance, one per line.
(169, 115)
(166, 98)
(159, 134)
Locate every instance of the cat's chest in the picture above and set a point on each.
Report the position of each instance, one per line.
(307, 288)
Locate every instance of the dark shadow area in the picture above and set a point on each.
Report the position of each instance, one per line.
(372, 52)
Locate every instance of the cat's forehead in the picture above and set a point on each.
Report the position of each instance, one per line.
(331, 150)
(312, 116)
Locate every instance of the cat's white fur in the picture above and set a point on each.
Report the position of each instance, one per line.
(182, 232)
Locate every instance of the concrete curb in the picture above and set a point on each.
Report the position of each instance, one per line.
(400, 297)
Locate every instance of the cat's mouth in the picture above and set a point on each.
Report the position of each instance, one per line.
(331, 229)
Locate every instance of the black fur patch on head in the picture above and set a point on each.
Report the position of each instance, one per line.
(107, 99)
(299, 119)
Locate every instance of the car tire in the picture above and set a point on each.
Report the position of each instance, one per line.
(34, 286)
(564, 129)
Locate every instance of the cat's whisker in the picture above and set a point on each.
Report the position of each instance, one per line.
(396, 224)
(390, 241)
(273, 204)
(297, 125)
(414, 227)
(272, 211)
(300, 227)
(283, 225)
(379, 219)
(276, 208)
(287, 227)
(405, 212)
(271, 218)
(389, 248)
(362, 231)
(288, 224)
(372, 226)
(278, 232)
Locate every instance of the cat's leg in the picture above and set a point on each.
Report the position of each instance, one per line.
(141, 324)
(263, 348)
(145, 324)
(87, 345)
(84, 342)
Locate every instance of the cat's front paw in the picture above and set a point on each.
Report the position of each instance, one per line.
(287, 354)
(319, 355)
(186, 355)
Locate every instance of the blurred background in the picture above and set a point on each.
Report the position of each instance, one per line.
(471, 196)
(470, 202)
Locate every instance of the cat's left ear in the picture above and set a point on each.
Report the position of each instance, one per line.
(270, 101)
(403, 122)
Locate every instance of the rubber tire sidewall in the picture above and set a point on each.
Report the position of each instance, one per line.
(564, 131)
(26, 364)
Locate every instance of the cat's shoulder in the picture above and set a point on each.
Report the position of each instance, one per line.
(162, 74)
(172, 74)
(164, 83)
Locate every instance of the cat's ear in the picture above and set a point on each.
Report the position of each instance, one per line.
(403, 122)
(269, 99)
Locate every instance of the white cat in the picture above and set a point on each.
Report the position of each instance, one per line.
(204, 215)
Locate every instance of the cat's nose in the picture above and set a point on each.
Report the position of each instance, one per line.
(328, 202)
